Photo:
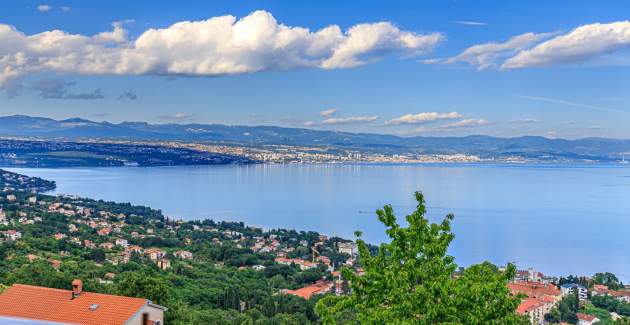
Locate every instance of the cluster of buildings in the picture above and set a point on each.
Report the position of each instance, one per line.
(310, 154)
(541, 295)
(540, 299)
(95, 228)
(111, 230)
(602, 290)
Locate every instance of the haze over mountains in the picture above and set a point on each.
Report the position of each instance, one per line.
(485, 146)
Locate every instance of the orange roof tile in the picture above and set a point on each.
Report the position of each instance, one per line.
(585, 317)
(308, 291)
(41, 303)
(528, 305)
(534, 289)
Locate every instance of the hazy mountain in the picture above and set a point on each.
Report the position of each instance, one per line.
(529, 146)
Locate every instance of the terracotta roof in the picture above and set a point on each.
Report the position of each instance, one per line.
(528, 305)
(534, 289)
(547, 299)
(308, 291)
(41, 303)
(585, 317)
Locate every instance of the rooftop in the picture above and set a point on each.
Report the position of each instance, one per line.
(57, 305)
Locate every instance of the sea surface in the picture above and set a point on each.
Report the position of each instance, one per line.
(559, 219)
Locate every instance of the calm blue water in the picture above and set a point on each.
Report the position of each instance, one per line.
(559, 219)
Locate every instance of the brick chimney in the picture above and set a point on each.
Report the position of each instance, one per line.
(77, 288)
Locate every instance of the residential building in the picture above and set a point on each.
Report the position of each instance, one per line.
(584, 319)
(122, 242)
(319, 287)
(533, 309)
(76, 306)
(569, 288)
(185, 255)
(154, 253)
(12, 234)
(349, 248)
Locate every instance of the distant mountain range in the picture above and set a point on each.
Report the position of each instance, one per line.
(485, 146)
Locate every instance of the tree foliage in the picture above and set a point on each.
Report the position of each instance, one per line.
(412, 280)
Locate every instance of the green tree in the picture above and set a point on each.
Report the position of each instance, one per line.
(136, 284)
(411, 280)
(608, 279)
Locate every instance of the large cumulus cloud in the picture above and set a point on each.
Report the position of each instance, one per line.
(217, 46)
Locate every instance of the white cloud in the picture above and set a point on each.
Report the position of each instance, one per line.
(489, 55)
(581, 44)
(469, 23)
(44, 8)
(328, 112)
(467, 123)
(309, 123)
(177, 117)
(64, 8)
(527, 121)
(217, 46)
(423, 118)
(350, 120)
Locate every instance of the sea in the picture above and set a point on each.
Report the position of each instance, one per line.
(559, 219)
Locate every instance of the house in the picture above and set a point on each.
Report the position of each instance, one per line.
(323, 259)
(12, 234)
(75, 306)
(621, 295)
(104, 231)
(59, 236)
(185, 255)
(533, 309)
(304, 265)
(570, 288)
(602, 290)
(154, 253)
(134, 249)
(319, 287)
(349, 248)
(164, 264)
(584, 319)
(56, 264)
(11, 198)
(535, 289)
(122, 242)
(108, 246)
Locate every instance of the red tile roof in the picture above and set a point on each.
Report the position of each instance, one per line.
(309, 291)
(41, 303)
(534, 289)
(528, 305)
(588, 318)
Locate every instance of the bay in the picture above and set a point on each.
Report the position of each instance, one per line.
(559, 219)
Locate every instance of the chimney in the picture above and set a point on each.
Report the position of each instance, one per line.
(77, 287)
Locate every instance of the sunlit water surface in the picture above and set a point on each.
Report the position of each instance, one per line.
(560, 219)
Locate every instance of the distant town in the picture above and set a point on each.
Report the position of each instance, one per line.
(94, 152)
(80, 142)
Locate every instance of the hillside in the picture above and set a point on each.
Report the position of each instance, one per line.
(598, 149)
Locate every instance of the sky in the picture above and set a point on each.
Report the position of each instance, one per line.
(557, 69)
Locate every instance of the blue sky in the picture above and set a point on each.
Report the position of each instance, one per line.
(550, 68)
